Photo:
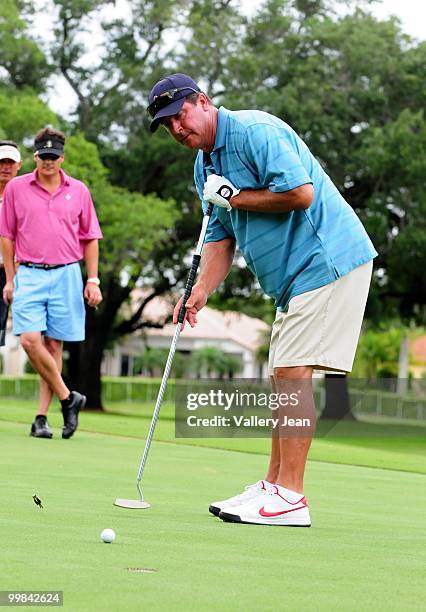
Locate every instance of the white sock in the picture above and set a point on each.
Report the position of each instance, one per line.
(289, 495)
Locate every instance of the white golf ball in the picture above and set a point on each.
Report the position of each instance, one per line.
(108, 536)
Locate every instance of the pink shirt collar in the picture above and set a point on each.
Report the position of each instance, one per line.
(65, 180)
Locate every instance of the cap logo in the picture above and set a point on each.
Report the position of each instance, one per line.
(49, 144)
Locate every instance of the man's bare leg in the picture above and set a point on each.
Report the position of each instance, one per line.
(275, 458)
(285, 504)
(54, 347)
(293, 451)
(44, 363)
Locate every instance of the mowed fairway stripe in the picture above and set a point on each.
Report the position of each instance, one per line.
(393, 446)
(363, 550)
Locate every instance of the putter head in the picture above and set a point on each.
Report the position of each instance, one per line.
(134, 504)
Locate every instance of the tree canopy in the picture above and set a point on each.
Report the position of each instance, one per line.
(351, 85)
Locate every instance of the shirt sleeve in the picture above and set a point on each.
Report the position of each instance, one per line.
(215, 229)
(276, 159)
(89, 224)
(7, 214)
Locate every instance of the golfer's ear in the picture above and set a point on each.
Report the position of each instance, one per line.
(203, 100)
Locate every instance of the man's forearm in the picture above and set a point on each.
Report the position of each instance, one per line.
(216, 261)
(266, 201)
(8, 252)
(91, 258)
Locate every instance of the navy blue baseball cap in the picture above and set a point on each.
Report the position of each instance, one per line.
(49, 144)
(167, 97)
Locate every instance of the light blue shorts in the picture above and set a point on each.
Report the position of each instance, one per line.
(49, 301)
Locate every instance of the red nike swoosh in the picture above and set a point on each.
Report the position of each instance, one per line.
(266, 514)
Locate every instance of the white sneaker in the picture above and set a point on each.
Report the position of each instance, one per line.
(251, 491)
(270, 508)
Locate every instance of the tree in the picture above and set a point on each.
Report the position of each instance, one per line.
(22, 115)
(211, 360)
(131, 224)
(232, 364)
(396, 154)
(23, 62)
(134, 54)
(352, 86)
(378, 350)
(337, 401)
(23, 75)
(262, 351)
(154, 360)
(111, 90)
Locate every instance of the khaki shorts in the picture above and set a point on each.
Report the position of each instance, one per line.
(321, 327)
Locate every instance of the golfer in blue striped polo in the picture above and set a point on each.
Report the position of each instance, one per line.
(305, 245)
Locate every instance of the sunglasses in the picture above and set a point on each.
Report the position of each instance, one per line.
(166, 98)
(49, 156)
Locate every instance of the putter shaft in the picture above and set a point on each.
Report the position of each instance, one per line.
(179, 326)
(158, 405)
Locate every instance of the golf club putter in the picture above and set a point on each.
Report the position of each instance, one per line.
(141, 503)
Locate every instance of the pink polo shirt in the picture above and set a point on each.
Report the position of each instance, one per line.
(48, 227)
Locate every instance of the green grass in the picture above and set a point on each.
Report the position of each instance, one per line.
(364, 550)
(382, 444)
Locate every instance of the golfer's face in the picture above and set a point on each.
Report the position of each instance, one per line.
(190, 127)
(48, 165)
(8, 169)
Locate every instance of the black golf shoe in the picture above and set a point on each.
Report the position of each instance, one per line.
(40, 428)
(70, 413)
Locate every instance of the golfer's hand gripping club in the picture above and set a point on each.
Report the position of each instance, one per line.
(196, 258)
(188, 288)
(219, 190)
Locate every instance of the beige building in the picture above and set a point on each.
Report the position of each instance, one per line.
(233, 332)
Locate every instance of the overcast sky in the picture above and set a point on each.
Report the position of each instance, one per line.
(412, 14)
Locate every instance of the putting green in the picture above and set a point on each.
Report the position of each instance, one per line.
(363, 551)
(388, 445)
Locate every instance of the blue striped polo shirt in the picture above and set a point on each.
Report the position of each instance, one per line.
(289, 253)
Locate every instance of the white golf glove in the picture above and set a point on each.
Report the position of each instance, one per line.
(218, 190)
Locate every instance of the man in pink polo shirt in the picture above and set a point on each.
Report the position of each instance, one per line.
(48, 224)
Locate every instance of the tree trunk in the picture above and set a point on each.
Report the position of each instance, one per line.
(337, 402)
(85, 360)
(83, 371)
(402, 385)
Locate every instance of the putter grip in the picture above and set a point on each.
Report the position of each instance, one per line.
(189, 285)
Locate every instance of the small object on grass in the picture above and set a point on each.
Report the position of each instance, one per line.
(37, 501)
(108, 536)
